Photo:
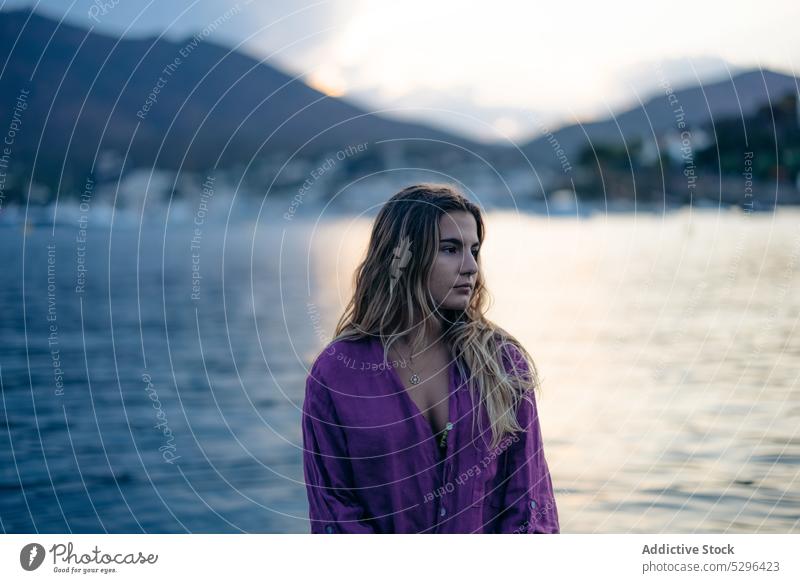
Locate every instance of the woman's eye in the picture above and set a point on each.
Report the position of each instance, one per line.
(454, 250)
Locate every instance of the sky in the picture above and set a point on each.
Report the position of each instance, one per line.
(493, 70)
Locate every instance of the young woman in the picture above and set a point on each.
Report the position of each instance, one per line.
(420, 415)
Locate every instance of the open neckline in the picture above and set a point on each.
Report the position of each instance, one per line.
(418, 413)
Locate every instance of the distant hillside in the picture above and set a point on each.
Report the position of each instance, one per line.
(740, 96)
(69, 94)
(89, 90)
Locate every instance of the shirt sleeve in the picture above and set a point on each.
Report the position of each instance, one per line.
(527, 503)
(333, 505)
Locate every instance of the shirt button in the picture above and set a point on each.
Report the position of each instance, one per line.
(443, 511)
(329, 529)
(533, 503)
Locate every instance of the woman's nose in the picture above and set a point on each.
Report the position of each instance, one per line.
(469, 264)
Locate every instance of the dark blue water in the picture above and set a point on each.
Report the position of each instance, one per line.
(129, 406)
(668, 345)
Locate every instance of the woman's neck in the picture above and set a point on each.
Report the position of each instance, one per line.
(431, 339)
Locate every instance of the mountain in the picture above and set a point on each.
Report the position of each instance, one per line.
(165, 103)
(73, 96)
(740, 96)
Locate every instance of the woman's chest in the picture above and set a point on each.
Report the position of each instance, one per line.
(383, 425)
(430, 396)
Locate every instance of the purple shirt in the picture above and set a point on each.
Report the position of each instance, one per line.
(372, 464)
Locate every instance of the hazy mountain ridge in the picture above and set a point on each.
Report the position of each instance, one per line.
(211, 95)
(103, 106)
(740, 96)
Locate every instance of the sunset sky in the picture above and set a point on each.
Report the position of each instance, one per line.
(490, 70)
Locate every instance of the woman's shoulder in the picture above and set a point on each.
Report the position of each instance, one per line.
(511, 351)
(344, 350)
(338, 371)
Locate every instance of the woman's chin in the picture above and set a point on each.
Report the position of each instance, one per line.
(456, 303)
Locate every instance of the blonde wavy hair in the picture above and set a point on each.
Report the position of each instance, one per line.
(391, 294)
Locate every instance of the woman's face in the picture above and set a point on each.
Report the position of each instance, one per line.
(456, 261)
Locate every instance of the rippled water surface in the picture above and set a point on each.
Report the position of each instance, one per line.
(668, 348)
